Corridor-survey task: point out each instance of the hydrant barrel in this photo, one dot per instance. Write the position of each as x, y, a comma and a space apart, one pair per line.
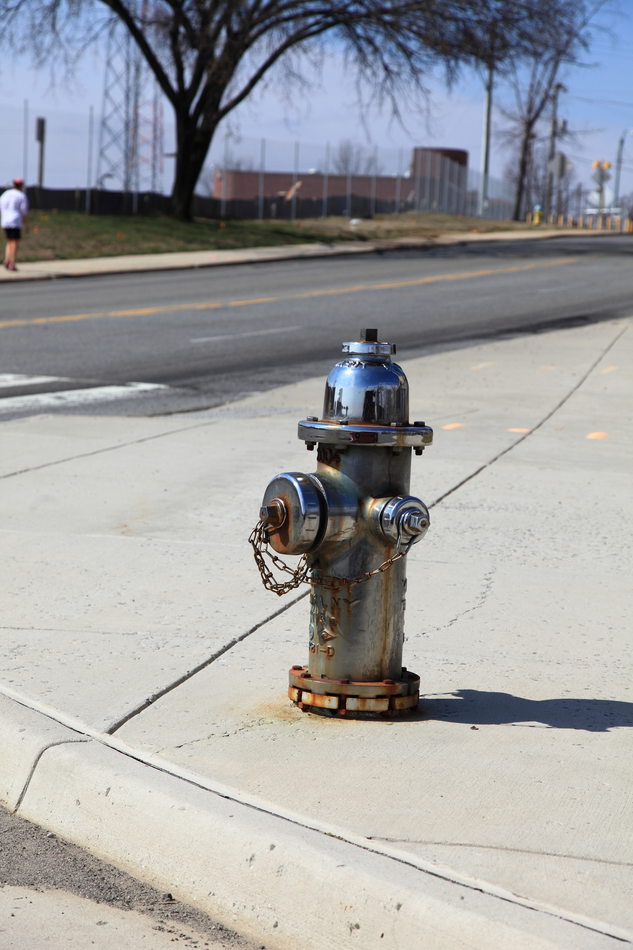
357, 630
354, 521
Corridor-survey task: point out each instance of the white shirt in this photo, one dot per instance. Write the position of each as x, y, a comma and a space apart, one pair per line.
14, 206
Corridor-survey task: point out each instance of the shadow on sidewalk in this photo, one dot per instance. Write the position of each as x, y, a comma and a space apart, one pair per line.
479, 707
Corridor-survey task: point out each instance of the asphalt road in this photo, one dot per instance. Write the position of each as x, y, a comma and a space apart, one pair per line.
178, 341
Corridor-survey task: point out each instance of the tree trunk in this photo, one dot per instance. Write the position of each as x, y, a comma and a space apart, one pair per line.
192, 146
524, 156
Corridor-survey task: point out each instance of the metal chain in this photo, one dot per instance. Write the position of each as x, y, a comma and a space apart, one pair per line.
258, 540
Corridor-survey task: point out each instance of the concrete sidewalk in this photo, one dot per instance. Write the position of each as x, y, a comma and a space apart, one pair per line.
143, 709
138, 263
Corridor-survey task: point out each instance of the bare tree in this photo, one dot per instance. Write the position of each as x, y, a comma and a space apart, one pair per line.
534, 80
350, 158
537, 174
209, 55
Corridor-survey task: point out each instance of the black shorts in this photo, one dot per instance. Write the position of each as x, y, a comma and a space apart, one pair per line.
13, 234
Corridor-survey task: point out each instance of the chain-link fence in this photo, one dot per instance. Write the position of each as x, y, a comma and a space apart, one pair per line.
264, 178
260, 178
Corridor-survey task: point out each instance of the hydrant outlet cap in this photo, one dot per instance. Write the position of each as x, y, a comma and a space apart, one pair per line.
299, 530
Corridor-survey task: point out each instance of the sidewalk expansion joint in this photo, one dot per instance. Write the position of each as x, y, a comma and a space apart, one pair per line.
539, 425
201, 666
109, 448
498, 847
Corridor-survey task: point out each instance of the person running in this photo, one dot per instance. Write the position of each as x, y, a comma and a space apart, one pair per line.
14, 207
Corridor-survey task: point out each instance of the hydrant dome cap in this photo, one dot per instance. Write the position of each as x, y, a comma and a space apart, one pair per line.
366, 389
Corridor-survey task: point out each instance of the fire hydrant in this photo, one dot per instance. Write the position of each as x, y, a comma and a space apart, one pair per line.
352, 521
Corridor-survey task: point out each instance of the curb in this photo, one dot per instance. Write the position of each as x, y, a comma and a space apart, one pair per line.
254, 870
195, 260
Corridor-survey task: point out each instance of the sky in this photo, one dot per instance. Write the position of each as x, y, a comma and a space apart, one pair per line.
597, 104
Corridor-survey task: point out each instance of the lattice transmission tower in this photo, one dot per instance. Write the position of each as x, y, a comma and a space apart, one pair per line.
131, 132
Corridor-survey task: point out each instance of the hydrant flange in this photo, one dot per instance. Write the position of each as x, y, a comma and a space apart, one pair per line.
402, 436
344, 696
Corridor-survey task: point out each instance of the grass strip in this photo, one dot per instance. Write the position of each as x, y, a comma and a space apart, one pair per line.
68, 235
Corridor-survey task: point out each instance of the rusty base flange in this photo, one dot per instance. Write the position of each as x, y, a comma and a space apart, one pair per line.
349, 698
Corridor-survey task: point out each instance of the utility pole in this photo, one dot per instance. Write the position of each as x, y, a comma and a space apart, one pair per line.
483, 191
601, 176
25, 173
547, 203
40, 137
89, 173
618, 168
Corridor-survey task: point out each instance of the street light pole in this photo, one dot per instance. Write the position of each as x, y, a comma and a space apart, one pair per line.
618, 168
485, 175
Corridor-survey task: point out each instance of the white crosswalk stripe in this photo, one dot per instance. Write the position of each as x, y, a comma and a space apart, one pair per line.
13, 380
73, 397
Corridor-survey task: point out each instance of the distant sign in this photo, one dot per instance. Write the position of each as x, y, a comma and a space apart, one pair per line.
606, 198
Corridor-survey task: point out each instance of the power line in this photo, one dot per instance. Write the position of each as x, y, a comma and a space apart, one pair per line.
612, 102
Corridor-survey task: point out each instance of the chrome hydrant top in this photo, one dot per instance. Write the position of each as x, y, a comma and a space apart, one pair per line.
366, 387
366, 401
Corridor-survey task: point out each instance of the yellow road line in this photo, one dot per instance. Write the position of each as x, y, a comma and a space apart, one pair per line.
487, 272
252, 300
40, 321
138, 312
354, 289
330, 291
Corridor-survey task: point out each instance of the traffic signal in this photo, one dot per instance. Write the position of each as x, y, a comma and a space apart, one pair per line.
601, 172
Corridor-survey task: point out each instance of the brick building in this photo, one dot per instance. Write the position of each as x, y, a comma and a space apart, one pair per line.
436, 180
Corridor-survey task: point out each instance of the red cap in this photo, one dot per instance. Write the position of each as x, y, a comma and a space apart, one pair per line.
18, 181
